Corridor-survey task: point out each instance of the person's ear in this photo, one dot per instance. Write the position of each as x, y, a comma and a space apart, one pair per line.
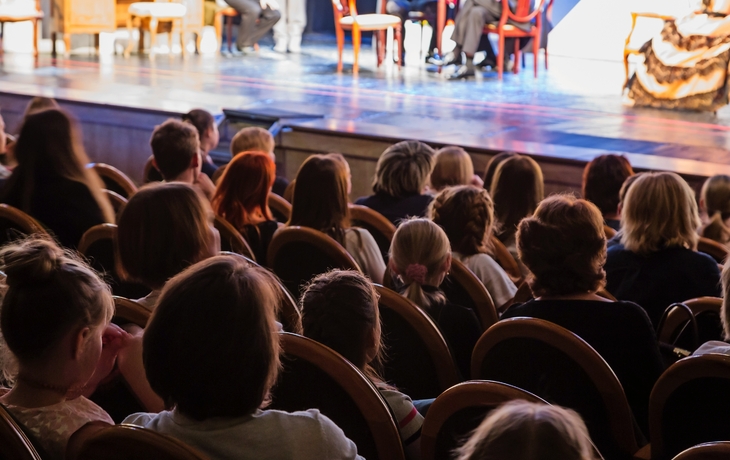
447, 263
195, 161
154, 164
79, 341
393, 268
702, 204
619, 209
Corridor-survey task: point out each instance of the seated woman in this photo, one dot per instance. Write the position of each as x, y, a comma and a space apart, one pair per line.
242, 198
656, 264
564, 247
492, 166
466, 214
554, 432
164, 228
401, 177
340, 310
603, 177
453, 166
207, 134
686, 65
320, 202
420, 258
214, 363
715, 207
51, 182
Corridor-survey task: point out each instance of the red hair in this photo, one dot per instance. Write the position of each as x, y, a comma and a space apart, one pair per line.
244, 187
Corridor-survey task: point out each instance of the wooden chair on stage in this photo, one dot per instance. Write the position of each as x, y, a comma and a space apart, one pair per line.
81, 17
14, 12
521, 14
347, 18
114, 179
184, 16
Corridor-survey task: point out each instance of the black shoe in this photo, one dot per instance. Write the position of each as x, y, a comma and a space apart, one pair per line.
486, 62
462, 72
449, 59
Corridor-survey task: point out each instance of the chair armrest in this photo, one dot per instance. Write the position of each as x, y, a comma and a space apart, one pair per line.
644, 453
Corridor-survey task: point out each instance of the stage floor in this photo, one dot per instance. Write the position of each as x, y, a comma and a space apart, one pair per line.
574, 106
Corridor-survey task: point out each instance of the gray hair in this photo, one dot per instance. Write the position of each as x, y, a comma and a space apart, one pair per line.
404, 169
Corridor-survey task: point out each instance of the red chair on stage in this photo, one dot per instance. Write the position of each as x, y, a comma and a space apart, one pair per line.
521, 14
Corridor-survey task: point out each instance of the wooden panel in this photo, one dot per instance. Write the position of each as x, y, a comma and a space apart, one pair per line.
89, 15
194, 17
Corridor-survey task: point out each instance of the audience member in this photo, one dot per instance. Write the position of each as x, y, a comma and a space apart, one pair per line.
715, 204
564, 246
494, 162
517, 189
420, 257
401, 177
320, 202
242, 196
340, 310
616, 239
520, 430
602, 180
466, 214
176, 154
259, 140
164, 228
208, 136
656, 264
35, 105
214, 363
51, 181
716, 346
39, 104
5, 153
453, 166
55, 322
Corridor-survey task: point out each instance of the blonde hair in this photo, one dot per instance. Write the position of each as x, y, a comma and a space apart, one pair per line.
716, 201
418, 251
252, 139
453, 166
403, 169
659, 211
519, 430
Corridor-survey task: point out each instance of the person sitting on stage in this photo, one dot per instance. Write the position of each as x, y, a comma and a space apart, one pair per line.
207, 134
320, 202
255, 139
453, 166
401, 177
715, 206
257, 18
402, 9
176, 152
603, 177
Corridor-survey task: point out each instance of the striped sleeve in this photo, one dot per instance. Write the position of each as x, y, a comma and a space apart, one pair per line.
408, 419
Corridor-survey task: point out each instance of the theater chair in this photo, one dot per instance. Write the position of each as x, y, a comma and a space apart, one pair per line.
15, 224
231, 239
114, 179
14, 442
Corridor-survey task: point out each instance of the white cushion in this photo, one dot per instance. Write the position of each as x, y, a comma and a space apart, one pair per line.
18, 9
158, 9
371, 20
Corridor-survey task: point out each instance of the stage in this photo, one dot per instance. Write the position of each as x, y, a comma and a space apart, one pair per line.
572, 112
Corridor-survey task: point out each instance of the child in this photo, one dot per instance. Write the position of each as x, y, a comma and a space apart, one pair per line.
55, 322
420, 257
340, 310
211, 352
254, 139
467, 214
453, 166
715, 204
520, 430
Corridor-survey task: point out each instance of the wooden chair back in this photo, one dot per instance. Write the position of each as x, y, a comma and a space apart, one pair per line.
419, 361
708, 451
462, 287
15, 224
689, 405
677, 324
280, 208
14, 442
97, 440
128, 311
98, 245
381, 228
151, 174
314, 376
289, 315
114, 179
289, 191
717, 251
231, 239
610, 232
505, 260
297, 254
118, 201
459, 410
560, 367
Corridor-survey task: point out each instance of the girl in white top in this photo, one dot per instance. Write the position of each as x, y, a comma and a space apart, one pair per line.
320, 202
466, 214
211, 352
340, 310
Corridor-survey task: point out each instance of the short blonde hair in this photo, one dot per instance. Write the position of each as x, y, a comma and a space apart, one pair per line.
520, 430
252, 139
659, 211
453, 166
404, 169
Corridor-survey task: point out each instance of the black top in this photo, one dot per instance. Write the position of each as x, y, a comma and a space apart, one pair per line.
613, 223
662, 278
65, 207
280, 185
460, 327
619, 331
397, 209
258, 238
208, 169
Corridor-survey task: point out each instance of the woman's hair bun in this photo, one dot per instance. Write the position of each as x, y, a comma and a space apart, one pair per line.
32, 260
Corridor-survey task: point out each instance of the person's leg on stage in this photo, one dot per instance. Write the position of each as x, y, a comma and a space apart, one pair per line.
268, 18
297, 21
400, 8
470, 26
281, 29
250, 10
